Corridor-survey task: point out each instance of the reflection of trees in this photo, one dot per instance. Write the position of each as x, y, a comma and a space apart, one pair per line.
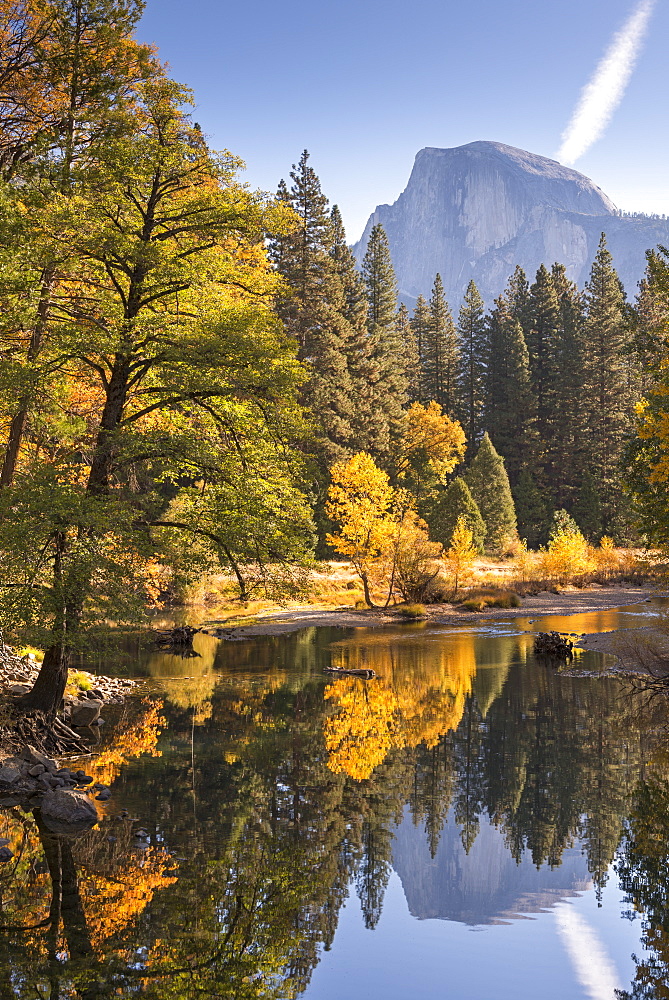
66, 920
418, 696
269, 836
644, 875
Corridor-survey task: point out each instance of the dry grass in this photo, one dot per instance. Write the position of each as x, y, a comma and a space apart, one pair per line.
493, 583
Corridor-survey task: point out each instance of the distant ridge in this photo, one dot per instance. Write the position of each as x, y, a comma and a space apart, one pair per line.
476, 211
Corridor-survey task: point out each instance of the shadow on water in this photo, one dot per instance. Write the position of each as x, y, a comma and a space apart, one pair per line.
256, 797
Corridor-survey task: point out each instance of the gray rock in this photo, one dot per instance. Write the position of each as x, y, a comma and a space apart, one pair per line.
475, 211
6, 854
19, 689
65, 810
9, 775
36, 770
86, 713
35, 757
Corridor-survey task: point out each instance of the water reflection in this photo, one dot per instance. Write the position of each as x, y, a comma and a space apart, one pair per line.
491, 784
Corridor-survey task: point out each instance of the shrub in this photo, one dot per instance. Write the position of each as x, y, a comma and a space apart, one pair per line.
568, 556
411, 611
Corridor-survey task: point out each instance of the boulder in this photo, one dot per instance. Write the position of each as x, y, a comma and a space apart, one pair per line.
85, 713
9, 775
67, 811
35, 757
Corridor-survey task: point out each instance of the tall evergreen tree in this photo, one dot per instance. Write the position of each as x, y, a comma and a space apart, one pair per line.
519, 298
607, 388
510, 402
387, 348
311, 310
447, 505
541, 344
489, 486
368, 424
441, 352
420, 325
473, 340
410, 353
565, 442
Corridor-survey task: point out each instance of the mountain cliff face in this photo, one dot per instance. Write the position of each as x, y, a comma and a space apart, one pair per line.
476, 211
486, 886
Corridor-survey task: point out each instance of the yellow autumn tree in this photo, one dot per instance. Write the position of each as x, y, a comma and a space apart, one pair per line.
413, 561
359, 501
461, 553
568, 556
430, 441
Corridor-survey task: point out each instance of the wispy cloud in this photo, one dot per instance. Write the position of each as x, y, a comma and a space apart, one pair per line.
592, 966
604, 92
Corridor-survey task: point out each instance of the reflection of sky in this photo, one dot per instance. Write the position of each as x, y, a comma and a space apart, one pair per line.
441, 960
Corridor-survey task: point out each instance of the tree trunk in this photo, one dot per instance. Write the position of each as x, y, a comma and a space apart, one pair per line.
365, 588
47, 692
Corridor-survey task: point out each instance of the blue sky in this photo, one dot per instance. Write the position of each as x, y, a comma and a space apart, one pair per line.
364, 85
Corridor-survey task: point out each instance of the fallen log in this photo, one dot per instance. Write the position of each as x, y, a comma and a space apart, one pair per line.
366, 675
552, 645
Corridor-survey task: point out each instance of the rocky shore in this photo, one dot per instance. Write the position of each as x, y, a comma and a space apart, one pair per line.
81, 707
62, 795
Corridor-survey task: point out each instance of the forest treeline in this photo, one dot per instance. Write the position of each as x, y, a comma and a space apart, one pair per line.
188, 368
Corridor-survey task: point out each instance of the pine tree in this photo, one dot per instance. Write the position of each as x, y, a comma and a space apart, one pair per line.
489, 486
541, 344
412, 366
420, 325
368, 424
531, 509
311, 311
650, 331
473, 340
441, 352
510, 402
519, 299
607, 388
387, 349
446, 506
565, 453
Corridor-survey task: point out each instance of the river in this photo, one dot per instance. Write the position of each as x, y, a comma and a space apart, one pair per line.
470, 824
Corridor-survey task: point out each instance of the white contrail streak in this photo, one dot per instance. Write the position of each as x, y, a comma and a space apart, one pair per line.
592, 966
602, 95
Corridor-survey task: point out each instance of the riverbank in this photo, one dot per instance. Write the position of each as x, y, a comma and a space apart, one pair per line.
638, 650
568, 601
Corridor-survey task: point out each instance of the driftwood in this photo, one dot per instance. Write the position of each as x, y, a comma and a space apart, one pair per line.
552, 645
178, 637
366, 675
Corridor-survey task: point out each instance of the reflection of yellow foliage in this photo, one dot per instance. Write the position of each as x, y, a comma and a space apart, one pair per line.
192, 692
360, 735
418, 696
111, 904
140, 737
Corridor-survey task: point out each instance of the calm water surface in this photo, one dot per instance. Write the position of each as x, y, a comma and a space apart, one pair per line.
472, 825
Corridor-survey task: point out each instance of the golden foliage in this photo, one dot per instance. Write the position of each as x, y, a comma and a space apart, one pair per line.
461, 553
139, 737
567, 557
432, 435
112, 903
359, 500
419, 696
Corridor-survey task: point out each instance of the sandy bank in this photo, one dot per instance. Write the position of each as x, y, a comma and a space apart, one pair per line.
637, 649
569, 602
